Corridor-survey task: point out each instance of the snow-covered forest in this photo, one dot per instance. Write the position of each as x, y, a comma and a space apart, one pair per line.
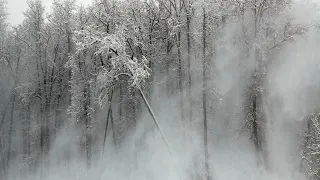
161, 90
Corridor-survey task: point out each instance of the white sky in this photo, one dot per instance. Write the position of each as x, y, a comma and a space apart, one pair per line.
17, 7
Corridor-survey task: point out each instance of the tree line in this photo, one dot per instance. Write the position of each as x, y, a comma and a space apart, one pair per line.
59, 69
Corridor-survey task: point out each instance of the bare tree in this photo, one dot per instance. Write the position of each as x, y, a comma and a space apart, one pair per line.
204, 95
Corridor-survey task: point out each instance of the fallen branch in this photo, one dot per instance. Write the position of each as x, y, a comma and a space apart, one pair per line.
151, 113
155, 120
108, 115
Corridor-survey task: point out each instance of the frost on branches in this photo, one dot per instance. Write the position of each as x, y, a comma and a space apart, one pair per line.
113, 47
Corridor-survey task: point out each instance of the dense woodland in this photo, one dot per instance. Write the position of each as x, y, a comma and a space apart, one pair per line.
100, 70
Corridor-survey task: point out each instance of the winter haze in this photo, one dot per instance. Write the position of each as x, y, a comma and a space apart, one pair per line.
159, 89
15, 8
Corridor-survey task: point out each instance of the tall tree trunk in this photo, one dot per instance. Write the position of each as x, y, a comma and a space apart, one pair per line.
189, 63
180, 75
256, 94
168, 48
107, 123
69, 35
58, 120
134, 108
11, 129
26, 130
42, 137
151, 63
255, 127
204, 97
113, 128
5, 112
120, 100
87, 123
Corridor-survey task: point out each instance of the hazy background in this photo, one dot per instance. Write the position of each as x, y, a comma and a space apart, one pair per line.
289, 93
17, 7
